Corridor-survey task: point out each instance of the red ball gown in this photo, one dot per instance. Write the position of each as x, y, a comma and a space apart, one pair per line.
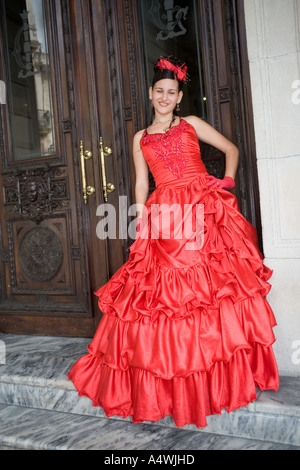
184, 332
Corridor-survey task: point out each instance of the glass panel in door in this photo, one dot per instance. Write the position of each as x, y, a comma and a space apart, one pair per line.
170, 27
28, 79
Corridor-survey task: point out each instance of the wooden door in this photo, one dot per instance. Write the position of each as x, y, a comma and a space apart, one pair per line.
92, 60
54, 64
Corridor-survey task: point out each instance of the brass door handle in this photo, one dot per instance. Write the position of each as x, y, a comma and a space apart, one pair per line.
107, 187
86, 190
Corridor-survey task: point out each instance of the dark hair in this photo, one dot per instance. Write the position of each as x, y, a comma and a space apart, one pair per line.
160, 74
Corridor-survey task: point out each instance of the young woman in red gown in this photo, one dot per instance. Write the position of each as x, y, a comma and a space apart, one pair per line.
185, 332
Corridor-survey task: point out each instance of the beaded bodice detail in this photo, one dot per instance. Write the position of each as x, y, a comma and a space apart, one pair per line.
173, 155
169, 147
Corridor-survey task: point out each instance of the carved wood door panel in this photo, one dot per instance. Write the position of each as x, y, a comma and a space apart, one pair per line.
51, 257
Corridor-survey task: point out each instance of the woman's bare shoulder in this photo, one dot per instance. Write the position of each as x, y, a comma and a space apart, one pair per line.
137, 141
137, 137
194, 120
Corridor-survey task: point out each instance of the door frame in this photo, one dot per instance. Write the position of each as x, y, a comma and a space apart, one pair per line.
233, 90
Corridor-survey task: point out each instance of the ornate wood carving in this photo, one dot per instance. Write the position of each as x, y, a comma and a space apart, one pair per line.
41, 254
43, 259
38, 260
247, 179
228, 83
210, 61
132, 48
236, 98
114, 16
36, 193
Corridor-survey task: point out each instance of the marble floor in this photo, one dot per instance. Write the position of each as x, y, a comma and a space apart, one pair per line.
40, 409
48, 430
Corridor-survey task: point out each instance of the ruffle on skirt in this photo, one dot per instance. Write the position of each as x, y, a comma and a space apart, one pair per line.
185, 333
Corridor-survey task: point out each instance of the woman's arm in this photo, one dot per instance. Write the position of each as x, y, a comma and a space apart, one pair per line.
206, 133
141, 174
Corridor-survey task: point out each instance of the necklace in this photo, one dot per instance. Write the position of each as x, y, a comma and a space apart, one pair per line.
162, 122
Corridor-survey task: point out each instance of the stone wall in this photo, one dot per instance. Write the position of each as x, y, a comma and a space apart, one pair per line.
273, 37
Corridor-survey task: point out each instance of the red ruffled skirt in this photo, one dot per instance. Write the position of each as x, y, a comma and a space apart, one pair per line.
185, 333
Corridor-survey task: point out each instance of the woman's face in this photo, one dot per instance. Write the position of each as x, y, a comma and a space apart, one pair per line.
165, 95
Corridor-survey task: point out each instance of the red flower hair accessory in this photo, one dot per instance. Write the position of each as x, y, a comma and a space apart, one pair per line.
180, 71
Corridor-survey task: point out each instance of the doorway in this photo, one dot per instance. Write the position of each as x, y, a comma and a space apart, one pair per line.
77, 74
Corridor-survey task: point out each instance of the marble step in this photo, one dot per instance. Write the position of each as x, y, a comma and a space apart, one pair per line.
35, 376
24, 428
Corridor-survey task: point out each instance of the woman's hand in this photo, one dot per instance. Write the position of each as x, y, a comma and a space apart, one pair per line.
225, 183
